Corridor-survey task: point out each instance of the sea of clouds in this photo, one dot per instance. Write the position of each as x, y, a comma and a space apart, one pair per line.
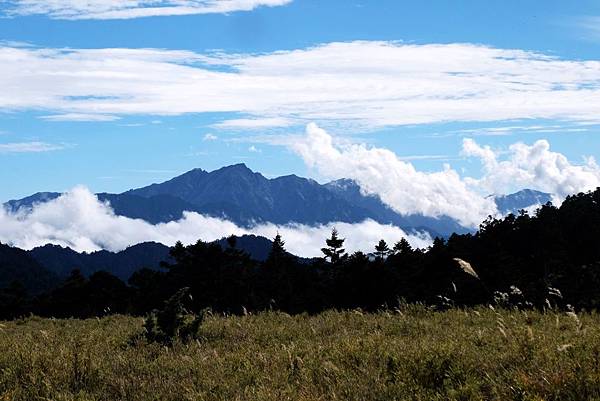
80, 221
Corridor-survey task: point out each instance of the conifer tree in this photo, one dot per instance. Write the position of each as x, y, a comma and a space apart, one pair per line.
402, 247
277, 249
382, 249
334, 250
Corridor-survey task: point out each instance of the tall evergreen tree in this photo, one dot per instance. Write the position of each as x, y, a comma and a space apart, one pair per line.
402, 247
277, 249
382, 249
334, 250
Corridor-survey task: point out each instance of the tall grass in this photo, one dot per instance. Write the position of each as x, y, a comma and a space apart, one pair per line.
412, 354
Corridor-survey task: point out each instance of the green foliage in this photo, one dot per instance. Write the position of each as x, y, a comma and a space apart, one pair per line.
278, 251
173, 322
334, 250
382, 249
402, 247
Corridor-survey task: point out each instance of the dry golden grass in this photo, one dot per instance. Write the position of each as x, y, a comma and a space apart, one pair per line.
414, 354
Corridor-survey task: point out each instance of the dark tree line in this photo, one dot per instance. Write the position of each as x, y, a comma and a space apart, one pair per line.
553, 253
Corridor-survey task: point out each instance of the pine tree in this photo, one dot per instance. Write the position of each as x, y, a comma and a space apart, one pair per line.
277, 249
402, 247
334, 250
382, 249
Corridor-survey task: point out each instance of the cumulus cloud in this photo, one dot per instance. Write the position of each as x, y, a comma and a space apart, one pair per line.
209, 137
531, 166
29, 147
368, 84
80, 221
397, 182
126, 9
446, 193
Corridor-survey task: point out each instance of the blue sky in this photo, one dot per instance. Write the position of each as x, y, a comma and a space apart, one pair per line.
131, 122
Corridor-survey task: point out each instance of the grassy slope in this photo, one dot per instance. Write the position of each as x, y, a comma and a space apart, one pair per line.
416, 354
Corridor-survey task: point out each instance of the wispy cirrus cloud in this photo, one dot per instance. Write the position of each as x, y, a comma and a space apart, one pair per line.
254, 123
524, 129
127, 9
80, 117
29, 147
365, 85
590, 26
209, 137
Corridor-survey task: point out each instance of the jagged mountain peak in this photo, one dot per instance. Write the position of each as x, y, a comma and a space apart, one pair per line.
519, 200
246, 197
239, 167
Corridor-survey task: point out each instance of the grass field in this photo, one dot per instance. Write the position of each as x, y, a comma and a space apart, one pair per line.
414, 354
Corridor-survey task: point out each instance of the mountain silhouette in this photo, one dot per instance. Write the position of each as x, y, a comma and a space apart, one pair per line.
521, 200
17, 265
44, 266
247, 198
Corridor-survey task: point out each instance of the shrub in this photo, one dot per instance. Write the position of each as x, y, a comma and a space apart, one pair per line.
174, 321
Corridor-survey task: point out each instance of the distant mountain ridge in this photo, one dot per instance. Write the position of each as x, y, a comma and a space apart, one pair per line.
521, 200
62, 261
17, 266
350, 191
247, 198
42, 267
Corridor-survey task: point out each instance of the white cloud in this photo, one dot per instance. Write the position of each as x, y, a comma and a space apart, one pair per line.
446, 193
254, 123
78, 220
210, 137
397, 182
532, 166
254, 149
80, 117
29, 147
126, 9
362, 84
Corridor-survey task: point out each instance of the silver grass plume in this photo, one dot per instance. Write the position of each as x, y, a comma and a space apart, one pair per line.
466, 267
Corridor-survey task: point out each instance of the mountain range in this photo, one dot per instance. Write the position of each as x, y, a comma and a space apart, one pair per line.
44, 267
247, 198
235, 193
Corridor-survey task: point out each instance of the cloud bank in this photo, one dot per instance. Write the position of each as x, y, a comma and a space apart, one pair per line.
365, 84
532, 166
446, 193
127, 9
80, 221
397, 182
